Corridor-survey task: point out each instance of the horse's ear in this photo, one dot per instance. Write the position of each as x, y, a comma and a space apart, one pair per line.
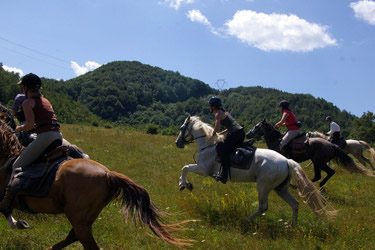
188, 118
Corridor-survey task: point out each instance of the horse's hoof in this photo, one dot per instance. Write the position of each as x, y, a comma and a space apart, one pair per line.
181, 187
189, 186
21, 224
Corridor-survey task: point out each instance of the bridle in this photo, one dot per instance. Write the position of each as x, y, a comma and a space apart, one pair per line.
183, 131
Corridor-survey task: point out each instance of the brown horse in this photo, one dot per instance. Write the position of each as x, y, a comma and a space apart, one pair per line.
81, 189
320, 152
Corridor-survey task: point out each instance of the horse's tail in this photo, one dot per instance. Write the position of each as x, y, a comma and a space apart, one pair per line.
366, 146
348, 163
309, 193
136, 200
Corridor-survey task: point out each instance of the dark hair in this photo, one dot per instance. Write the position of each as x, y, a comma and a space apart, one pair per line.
284, 104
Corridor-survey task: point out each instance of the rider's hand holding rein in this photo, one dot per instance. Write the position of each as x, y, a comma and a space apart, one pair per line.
282, 123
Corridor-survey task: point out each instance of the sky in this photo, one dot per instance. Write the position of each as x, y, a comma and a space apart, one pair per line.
318, 47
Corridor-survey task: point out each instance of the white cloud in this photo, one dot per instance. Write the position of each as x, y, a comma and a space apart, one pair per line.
14, 70
364, 10
176, 4
80, 70
197, 16
278, 32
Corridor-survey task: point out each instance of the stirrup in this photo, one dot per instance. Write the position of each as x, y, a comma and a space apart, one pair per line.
220, 178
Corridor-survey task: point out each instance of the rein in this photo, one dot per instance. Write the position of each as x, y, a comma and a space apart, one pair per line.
200, 150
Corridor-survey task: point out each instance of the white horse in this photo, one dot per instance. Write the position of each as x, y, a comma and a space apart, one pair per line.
354, 147
269, 169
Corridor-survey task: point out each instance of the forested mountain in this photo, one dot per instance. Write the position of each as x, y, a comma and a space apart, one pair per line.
135, 94
118, 89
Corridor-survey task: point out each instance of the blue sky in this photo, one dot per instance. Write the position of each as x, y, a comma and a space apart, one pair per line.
322, 48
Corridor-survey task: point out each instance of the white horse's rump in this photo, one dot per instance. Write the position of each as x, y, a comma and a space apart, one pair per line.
269, 169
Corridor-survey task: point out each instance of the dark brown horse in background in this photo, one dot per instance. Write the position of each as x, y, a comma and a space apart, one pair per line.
81, 189
320, 152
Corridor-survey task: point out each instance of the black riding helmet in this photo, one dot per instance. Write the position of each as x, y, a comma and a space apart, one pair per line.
284, 104
215, 102
328, 118
31, 81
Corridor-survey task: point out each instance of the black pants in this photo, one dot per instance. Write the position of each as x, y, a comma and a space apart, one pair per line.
335, 137
231, 142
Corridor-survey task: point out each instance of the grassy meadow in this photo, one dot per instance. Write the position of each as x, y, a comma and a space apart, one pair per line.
154, 162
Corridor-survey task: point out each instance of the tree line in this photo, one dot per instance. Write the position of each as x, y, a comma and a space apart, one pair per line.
133, 94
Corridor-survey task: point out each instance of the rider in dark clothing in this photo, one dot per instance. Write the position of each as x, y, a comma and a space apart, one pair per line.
234, 138
17, 106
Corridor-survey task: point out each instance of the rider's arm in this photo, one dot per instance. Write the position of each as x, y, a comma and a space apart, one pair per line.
282, 121
217, 123
27, 107
223, 132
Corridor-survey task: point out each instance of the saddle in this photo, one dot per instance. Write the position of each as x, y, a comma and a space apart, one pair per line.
242, 156
36, 180
297, 147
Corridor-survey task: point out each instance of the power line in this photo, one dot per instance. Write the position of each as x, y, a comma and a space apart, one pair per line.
33, 50
37, 59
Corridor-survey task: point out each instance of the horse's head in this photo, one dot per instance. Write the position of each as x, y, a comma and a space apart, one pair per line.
262, 128
185, 136
257, 131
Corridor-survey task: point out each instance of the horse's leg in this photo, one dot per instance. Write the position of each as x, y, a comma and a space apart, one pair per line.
365, 160
82, 215
330, 172
283, 192
317, 174
263, 201
71, 238
195, 168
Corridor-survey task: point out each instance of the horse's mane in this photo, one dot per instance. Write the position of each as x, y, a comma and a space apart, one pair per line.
9, 144
318, 134
273, 133
206, 128
7, 116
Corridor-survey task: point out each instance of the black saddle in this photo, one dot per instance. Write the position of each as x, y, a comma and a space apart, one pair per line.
242, 156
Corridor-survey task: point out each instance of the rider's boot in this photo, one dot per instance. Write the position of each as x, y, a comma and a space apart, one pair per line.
222, 176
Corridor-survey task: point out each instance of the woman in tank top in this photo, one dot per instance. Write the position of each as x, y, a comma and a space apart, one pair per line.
234, 138
39, 115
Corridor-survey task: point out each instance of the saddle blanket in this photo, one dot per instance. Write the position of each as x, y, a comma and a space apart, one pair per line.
35, 180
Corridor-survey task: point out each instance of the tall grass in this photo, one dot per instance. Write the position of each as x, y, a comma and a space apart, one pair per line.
154, 162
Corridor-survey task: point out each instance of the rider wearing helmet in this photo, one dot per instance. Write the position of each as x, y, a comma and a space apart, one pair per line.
39, 115
334, 131
234, 138
289, 120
